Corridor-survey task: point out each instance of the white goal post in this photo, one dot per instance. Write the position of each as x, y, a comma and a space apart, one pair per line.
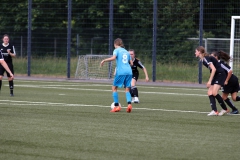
235, 44
88, 67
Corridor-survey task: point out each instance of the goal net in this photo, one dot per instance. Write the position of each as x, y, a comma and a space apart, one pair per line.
235, 45
88, 67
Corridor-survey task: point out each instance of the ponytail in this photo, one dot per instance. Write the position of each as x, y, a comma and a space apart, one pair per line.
223, 55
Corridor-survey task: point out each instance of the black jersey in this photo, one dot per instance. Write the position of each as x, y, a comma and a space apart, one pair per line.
136, 63
227, 69
209, 59
1, 55
6, 56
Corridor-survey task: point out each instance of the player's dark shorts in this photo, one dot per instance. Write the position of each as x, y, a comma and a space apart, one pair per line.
219, 78
2, 69
135, 76
231, 87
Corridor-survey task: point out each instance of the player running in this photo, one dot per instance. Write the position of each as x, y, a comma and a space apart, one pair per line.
135, 72
123, 75
216, 80
8, 52
231, 84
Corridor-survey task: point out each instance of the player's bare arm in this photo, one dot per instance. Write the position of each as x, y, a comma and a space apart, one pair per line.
131, 62
108, 59
146, 74
10, 53
212, 75
228, 77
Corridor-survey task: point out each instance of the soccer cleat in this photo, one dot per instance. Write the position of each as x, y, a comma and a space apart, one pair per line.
129, 108
213, 113
222, 112
116, 109
136, 100
133, 99
234, 112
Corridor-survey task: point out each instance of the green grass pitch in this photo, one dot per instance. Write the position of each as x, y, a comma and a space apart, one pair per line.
61, 120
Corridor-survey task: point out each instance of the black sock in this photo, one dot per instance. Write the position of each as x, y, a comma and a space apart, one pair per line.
221, 102
11, 86
237, 98
0, 84
230, 104
131, 91
134, 91
213, 103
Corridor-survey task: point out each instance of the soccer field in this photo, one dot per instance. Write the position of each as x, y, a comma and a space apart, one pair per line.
60, 120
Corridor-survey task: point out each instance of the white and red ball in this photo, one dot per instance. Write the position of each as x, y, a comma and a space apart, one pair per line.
112, 105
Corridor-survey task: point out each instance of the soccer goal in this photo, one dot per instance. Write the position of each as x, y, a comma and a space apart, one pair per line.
235, 45
88, 67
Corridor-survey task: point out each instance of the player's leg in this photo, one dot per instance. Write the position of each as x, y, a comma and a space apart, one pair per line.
115, 96
134, 90
228, 101
1, 81
118, 82
127, 84
233, 89
212, 100
10, 80
133, 83
216, 88
117, 108
230, 104
2, 70
235, 97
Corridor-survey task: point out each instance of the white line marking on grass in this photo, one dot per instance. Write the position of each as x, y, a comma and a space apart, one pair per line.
101, 90
102, 85
187, 89
68, 83
29, 103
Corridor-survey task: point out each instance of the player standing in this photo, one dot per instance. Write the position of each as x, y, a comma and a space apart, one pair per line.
135, 72
123, 75
231, 84
8, 52
216, 80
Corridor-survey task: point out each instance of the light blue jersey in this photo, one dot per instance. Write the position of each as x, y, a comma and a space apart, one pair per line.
122, 61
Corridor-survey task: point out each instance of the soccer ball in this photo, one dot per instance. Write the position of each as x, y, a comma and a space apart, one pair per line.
112, 105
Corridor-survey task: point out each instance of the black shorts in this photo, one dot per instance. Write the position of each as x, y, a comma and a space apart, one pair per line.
231, 87
219, 78
135, 76
2, 69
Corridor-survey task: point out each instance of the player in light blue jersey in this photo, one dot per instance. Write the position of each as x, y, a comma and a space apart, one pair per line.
123, 75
